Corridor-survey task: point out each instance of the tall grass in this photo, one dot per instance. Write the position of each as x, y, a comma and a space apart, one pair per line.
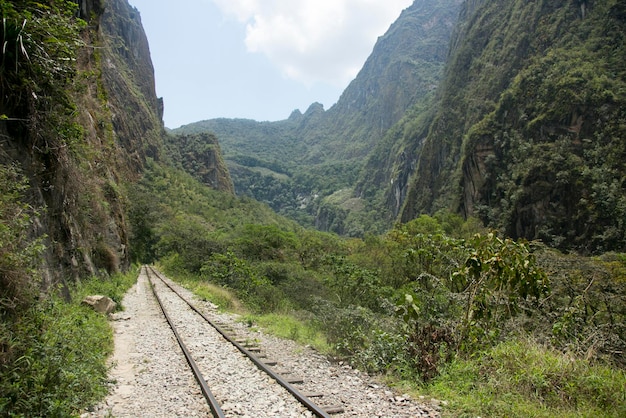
289, 327
520, 378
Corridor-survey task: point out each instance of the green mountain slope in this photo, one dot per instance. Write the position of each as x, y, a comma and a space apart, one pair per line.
529, 127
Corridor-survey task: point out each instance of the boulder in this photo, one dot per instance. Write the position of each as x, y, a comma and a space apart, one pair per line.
100, 303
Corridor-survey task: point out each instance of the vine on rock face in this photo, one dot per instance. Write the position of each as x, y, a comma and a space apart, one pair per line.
19, 252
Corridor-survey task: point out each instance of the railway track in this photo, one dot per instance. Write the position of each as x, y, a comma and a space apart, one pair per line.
222, 363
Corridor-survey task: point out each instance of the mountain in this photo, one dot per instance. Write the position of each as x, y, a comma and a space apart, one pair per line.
403, 68
529, 126
306, 166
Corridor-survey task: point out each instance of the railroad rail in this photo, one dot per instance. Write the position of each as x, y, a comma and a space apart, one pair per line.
316, 410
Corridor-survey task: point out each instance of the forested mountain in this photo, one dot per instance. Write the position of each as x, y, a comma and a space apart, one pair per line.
307, 165
529, 130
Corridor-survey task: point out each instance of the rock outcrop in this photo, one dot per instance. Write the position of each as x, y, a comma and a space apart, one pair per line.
100, 303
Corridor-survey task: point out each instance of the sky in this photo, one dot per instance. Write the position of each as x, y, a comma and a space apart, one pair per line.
258, 59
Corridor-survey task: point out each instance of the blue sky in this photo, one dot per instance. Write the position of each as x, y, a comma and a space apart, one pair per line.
258, 59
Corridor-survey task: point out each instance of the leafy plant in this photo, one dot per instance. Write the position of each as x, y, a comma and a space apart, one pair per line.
353, 285
500, 278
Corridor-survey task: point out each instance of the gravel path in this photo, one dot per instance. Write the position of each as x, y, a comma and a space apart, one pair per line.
152, 378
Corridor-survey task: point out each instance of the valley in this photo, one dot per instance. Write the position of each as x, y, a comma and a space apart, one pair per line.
454, 225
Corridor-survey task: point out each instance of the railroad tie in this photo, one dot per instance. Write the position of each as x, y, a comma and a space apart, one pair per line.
253, 349
331, 410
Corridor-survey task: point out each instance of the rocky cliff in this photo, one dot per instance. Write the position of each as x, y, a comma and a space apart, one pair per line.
79, 118
200, 156
405, 65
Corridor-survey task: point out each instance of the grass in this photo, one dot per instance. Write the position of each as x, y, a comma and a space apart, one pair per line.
287, 326
225, 299
282, 325
523, 379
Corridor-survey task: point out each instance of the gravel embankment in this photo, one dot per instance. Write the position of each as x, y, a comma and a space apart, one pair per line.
152, 378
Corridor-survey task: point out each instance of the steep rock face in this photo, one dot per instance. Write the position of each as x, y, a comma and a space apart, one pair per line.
404, 67
385, 178
533, 95
128, 78
82, 121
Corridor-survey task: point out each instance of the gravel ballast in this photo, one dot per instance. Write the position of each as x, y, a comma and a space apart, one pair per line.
152, 379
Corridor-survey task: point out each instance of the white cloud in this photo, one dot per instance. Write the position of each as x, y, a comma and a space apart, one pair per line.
314, 40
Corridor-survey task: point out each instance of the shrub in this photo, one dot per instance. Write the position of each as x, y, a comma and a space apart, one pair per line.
500, 278
239, 275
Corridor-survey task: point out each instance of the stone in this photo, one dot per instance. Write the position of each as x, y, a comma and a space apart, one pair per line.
100, 303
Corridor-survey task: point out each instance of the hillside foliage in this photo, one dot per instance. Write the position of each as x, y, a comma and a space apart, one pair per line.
428, 297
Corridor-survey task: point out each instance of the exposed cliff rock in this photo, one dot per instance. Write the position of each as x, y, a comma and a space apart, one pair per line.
128, 78
404, 67
80, 118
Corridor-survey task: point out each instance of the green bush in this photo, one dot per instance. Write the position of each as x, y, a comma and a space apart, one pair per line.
244, 279
347, 328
